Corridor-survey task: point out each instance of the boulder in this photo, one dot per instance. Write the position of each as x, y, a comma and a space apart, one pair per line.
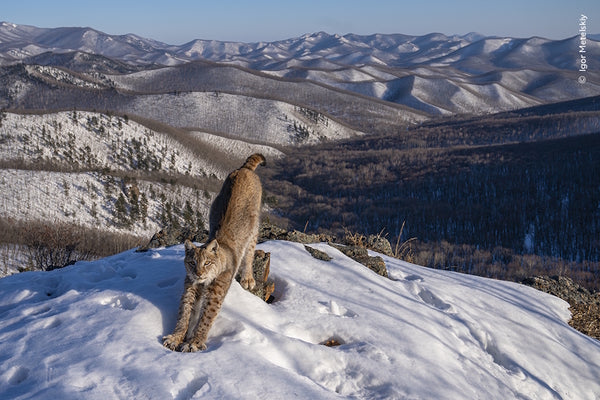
318, 254
361, 255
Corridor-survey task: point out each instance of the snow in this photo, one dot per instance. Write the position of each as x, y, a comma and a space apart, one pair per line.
93, 330
247, 118
109, 140
234, 147
82, 199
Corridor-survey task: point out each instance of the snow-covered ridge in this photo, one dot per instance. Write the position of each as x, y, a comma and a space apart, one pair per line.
401, 69
94, 330
96, 141
245, 117
392, 50
89, 199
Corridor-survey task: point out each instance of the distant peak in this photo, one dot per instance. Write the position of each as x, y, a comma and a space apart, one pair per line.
473, 36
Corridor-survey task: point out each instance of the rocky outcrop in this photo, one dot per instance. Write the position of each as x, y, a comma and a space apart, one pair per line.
361, 255
358, 253
585, 306
171, 236
268, 231
261, 267
318, 254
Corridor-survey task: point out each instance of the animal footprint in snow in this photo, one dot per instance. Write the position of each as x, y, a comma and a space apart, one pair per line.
37, 310
430, 298
167, 283
122, 301
332, 307
52, 322
128, 273
16, 375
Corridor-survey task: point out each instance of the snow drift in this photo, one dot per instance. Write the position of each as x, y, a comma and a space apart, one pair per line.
93, 330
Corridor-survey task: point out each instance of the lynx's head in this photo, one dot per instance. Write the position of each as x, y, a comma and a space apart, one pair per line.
203, 264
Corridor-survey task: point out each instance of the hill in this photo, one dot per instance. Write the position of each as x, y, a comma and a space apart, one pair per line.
370, 83
94, 329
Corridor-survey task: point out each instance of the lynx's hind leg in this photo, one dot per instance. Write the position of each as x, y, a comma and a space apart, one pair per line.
247, 275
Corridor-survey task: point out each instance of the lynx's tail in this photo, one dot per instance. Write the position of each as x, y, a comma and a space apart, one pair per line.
254, 161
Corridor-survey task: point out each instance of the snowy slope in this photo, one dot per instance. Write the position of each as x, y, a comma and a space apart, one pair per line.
93, 330
372, 66
245, 117
94, 140
88, 199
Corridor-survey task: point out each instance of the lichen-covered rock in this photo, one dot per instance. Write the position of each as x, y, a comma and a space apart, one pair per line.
361, 255
268, 231
379, 244
585, 306
170, 236
564, 288
318, 254
261, 266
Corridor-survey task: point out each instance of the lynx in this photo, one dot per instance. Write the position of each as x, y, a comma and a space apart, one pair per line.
210, 269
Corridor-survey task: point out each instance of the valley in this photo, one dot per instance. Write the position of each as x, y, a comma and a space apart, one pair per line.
483, 148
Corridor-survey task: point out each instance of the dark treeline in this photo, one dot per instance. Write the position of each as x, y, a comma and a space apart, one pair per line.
51, 245
495, 203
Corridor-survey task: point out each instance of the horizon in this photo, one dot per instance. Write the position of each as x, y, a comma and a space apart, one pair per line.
590, 35
268, 21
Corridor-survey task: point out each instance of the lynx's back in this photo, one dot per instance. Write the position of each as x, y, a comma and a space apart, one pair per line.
235, 213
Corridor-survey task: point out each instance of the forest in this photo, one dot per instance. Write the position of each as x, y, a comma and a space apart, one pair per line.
505, 196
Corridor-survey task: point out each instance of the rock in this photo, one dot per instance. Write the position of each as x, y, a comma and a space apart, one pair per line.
170, 236
301, 237
261, 266
564, 288
318, 254
585, 306
380, 245
268, 231
361, 255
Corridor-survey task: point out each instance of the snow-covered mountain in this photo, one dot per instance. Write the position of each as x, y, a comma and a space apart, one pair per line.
432, 74
314, 51
94, 330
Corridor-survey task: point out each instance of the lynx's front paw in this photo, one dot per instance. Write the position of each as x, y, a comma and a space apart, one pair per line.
171, 342
192, 347
248, 283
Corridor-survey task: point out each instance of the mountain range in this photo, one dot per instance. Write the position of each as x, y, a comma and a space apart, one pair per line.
416, 77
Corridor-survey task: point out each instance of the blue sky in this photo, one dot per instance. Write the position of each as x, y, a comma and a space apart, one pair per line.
180, 21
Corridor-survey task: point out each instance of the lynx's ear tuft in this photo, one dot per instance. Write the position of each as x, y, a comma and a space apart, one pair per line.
189, 245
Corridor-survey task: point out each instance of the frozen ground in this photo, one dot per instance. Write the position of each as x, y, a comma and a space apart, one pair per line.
93, 330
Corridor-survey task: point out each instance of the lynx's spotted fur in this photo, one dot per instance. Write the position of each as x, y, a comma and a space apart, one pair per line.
210, 269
